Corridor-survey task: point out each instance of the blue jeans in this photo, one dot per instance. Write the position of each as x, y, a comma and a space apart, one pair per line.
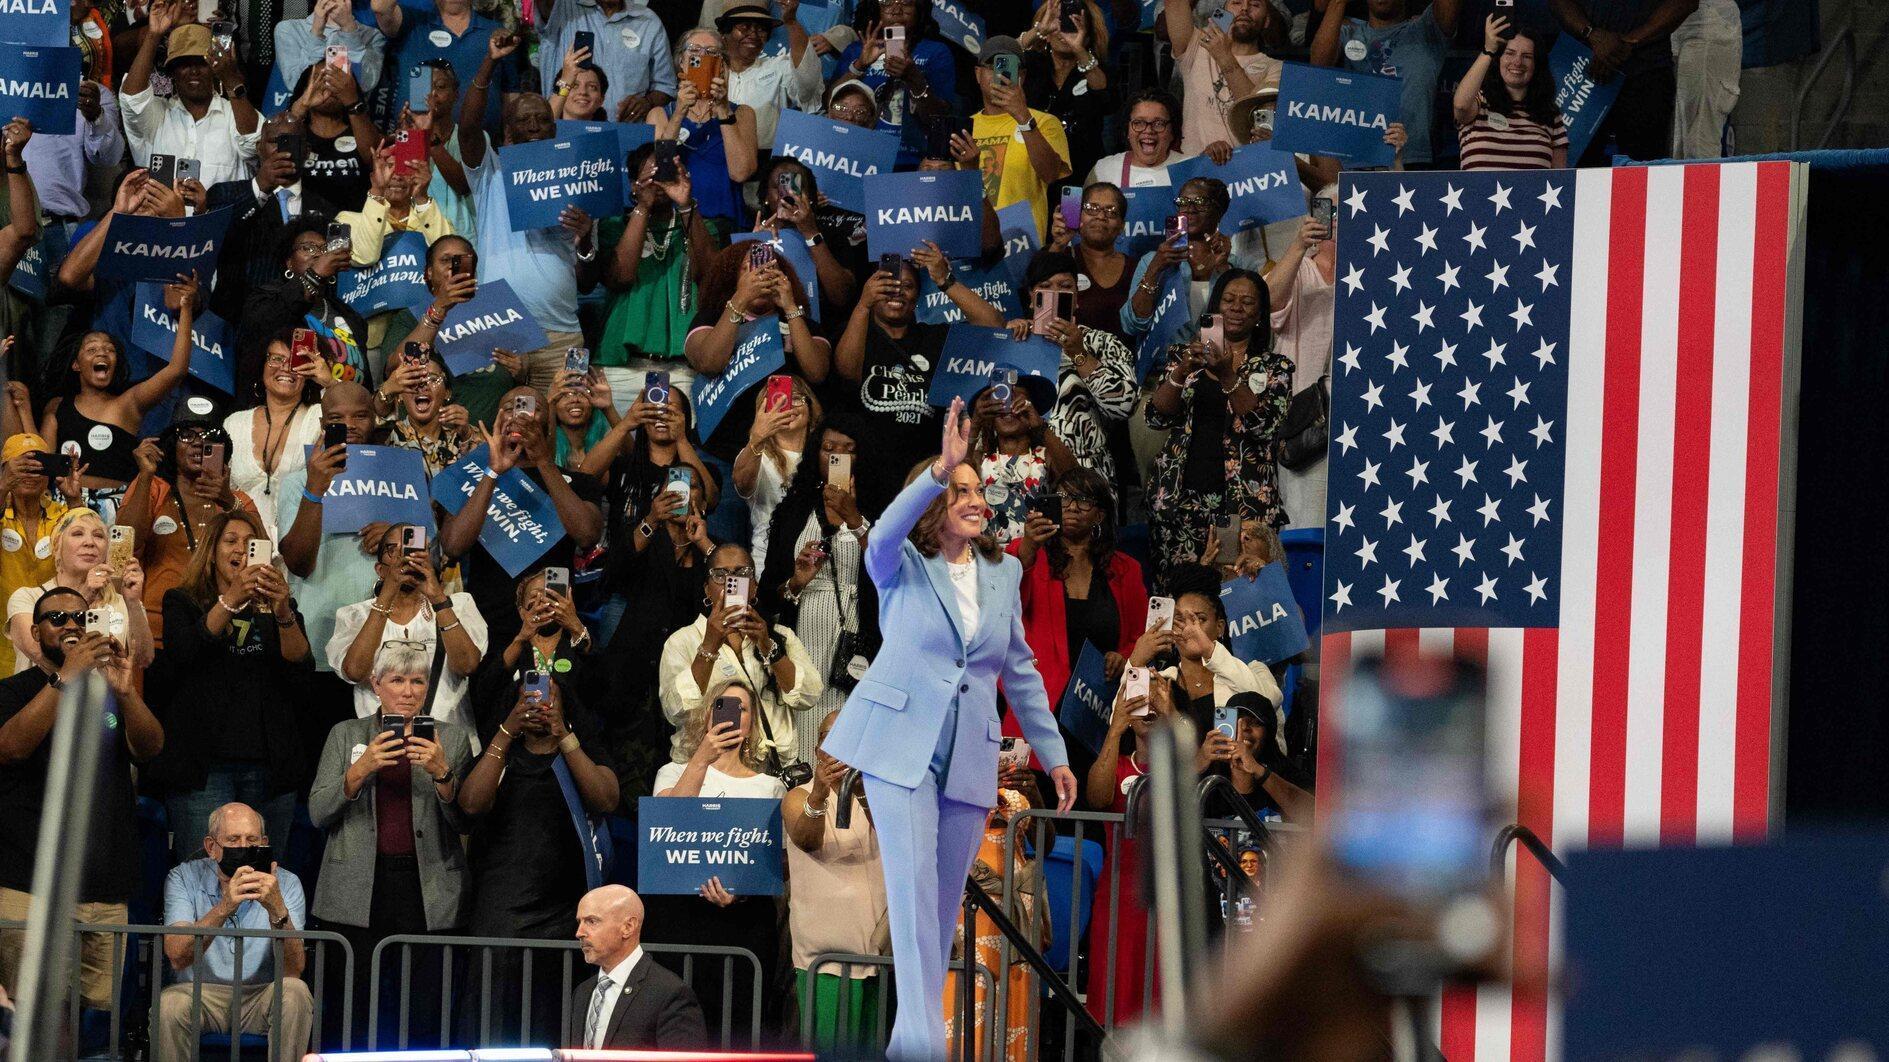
241, 783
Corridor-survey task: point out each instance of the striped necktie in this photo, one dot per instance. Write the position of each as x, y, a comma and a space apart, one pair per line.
593, 1023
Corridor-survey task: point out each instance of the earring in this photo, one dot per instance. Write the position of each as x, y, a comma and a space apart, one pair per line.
288, 274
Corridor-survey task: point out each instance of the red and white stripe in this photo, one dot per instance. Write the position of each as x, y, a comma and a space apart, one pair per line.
1646, 717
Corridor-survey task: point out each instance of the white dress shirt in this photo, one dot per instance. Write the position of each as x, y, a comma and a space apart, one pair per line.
617, 975
294, 193
157, 125
773, 83
57, 164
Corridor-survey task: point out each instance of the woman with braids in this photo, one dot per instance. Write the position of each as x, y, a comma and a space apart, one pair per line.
1221, 404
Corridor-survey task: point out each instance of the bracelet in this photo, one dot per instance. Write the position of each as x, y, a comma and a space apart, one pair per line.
444, 780
814, 813
949, 283
385, 611
737, 317
1083, 68
306, 496
435, 316
568, 743
1265, 777
502, 730
226, 605
440, 606
482, 88
705, 653
449, 627
794, 314
290, 622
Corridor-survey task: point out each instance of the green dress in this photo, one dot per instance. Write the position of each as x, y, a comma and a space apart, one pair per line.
650, 318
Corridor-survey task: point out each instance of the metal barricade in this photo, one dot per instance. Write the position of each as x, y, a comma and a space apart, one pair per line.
149, 938
568, 979
881, 1032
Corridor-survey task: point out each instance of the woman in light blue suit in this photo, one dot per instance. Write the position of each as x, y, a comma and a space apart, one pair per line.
922, 724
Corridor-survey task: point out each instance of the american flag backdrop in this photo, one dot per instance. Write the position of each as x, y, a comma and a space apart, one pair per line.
1562, 409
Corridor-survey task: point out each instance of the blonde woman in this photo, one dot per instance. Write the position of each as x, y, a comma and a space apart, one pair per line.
80, 548
765, 466
724, 761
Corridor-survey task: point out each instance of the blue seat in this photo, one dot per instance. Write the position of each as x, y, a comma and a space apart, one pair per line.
301, 853
216, 1045
1056, 874
154, 859
623, 837
1305, 570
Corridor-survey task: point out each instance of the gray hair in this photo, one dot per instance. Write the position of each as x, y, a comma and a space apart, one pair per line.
681, 48
223, 813
401, 660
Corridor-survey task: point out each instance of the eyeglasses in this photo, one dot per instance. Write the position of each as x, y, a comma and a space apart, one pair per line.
1190, 202
401, 643
723, 573
1150, 125
311, 247
1099, 210
858, 113
60, 617
705, 49
1079, 503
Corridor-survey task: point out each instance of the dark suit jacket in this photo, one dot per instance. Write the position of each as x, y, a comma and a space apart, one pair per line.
656, 1009
250, 255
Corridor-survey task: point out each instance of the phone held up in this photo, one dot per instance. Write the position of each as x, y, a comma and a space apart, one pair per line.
726, 711
780, 393
1160, 613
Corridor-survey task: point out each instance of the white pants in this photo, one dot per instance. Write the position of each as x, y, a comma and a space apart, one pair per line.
1708, 53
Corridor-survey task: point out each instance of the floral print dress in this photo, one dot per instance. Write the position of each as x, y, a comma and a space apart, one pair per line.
1009, 483
1183, 517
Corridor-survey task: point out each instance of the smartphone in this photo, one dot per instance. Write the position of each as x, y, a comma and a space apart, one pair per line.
97, 621
1414, 815
1050, 504
292, 145
334, 435
558, 581
163, 169
1012, 752
1176, 230
1068, 9
537, 684
413, 539
1071, 206
760, 256
335, 55
1135, 684
701, 71
656, 388
459, 265
422, 727
583, 39
1004, 68
340, 236
791, 184
725, 710
213, 458
260, 858
1213, 331
1160, 613
70, 450
680, 480
303, 348
938, 130
409, 149
419, 89
891, 265
1323, 210
839, 471
1228, 534
737, 590
261, 550
895, 42
1042, 311
1227, 721
780, 393
413, 353
1003, 384
668, 156
577, 360
223, 34
392, 724
118, 552
525, 406
188, 170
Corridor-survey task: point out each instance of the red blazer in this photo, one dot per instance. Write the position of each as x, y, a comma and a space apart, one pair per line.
1045, 622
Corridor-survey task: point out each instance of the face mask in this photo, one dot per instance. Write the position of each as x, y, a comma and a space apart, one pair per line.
258, 857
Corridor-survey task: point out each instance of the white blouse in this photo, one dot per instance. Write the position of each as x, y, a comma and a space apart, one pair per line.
246, 471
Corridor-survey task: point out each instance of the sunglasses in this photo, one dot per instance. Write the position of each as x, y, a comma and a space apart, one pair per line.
723, 573
60, 617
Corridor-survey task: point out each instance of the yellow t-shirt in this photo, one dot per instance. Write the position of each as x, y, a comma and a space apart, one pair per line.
1008, 176
24, 563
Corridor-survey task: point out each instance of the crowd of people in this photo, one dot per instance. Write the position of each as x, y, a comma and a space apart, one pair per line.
167, 530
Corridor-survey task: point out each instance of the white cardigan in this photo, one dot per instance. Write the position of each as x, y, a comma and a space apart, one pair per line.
1232, 675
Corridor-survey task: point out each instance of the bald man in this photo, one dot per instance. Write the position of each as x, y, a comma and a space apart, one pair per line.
632, 1002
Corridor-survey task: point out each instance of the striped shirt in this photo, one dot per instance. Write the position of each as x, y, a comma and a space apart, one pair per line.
1510, 143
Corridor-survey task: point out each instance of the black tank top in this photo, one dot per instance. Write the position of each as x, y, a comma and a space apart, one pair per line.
107, 448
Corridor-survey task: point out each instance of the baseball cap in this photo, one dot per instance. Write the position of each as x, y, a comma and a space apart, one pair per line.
996, 46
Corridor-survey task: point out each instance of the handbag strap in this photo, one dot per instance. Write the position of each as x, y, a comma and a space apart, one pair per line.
438, 666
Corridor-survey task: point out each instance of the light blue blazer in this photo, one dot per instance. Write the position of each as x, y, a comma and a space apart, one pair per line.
892, 721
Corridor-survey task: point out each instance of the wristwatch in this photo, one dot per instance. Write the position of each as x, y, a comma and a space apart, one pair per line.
1024, 127
358, 107
815, 240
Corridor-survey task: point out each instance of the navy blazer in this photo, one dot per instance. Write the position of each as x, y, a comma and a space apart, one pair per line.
892, 721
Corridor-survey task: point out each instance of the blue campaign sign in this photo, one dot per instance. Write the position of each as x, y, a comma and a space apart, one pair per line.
840, 155
493, 319
276, 93
1088, 700
521, 523
683, 841
1017, 223
793, 247
1263, 619
1339, 113
903, 210
146, 248
41, 23
970, 353
41, 85
630, 136
1145, 223
543, 177
959, 24
1262, 184
1171, 312
993, 283
1583, 103
380, 483
41, 261
212, 340
758, 354
397, 281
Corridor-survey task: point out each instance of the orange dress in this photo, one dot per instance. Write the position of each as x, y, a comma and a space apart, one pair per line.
1020, 998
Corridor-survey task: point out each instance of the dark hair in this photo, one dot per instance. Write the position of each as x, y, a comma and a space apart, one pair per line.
774, 165
1167, 101
925, 25
724, 270
1046, 263
1190, 578
1262, 321
928, 533
167, 447
436, 248
199, 578
39, 607
1537, 101
311, 391
293, 229
984, 429
1102, 547
1110, 187
62, 374
1218, 199
443, 67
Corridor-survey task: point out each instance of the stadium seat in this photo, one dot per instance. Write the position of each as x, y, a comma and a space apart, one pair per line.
1056, 871
1305, 570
